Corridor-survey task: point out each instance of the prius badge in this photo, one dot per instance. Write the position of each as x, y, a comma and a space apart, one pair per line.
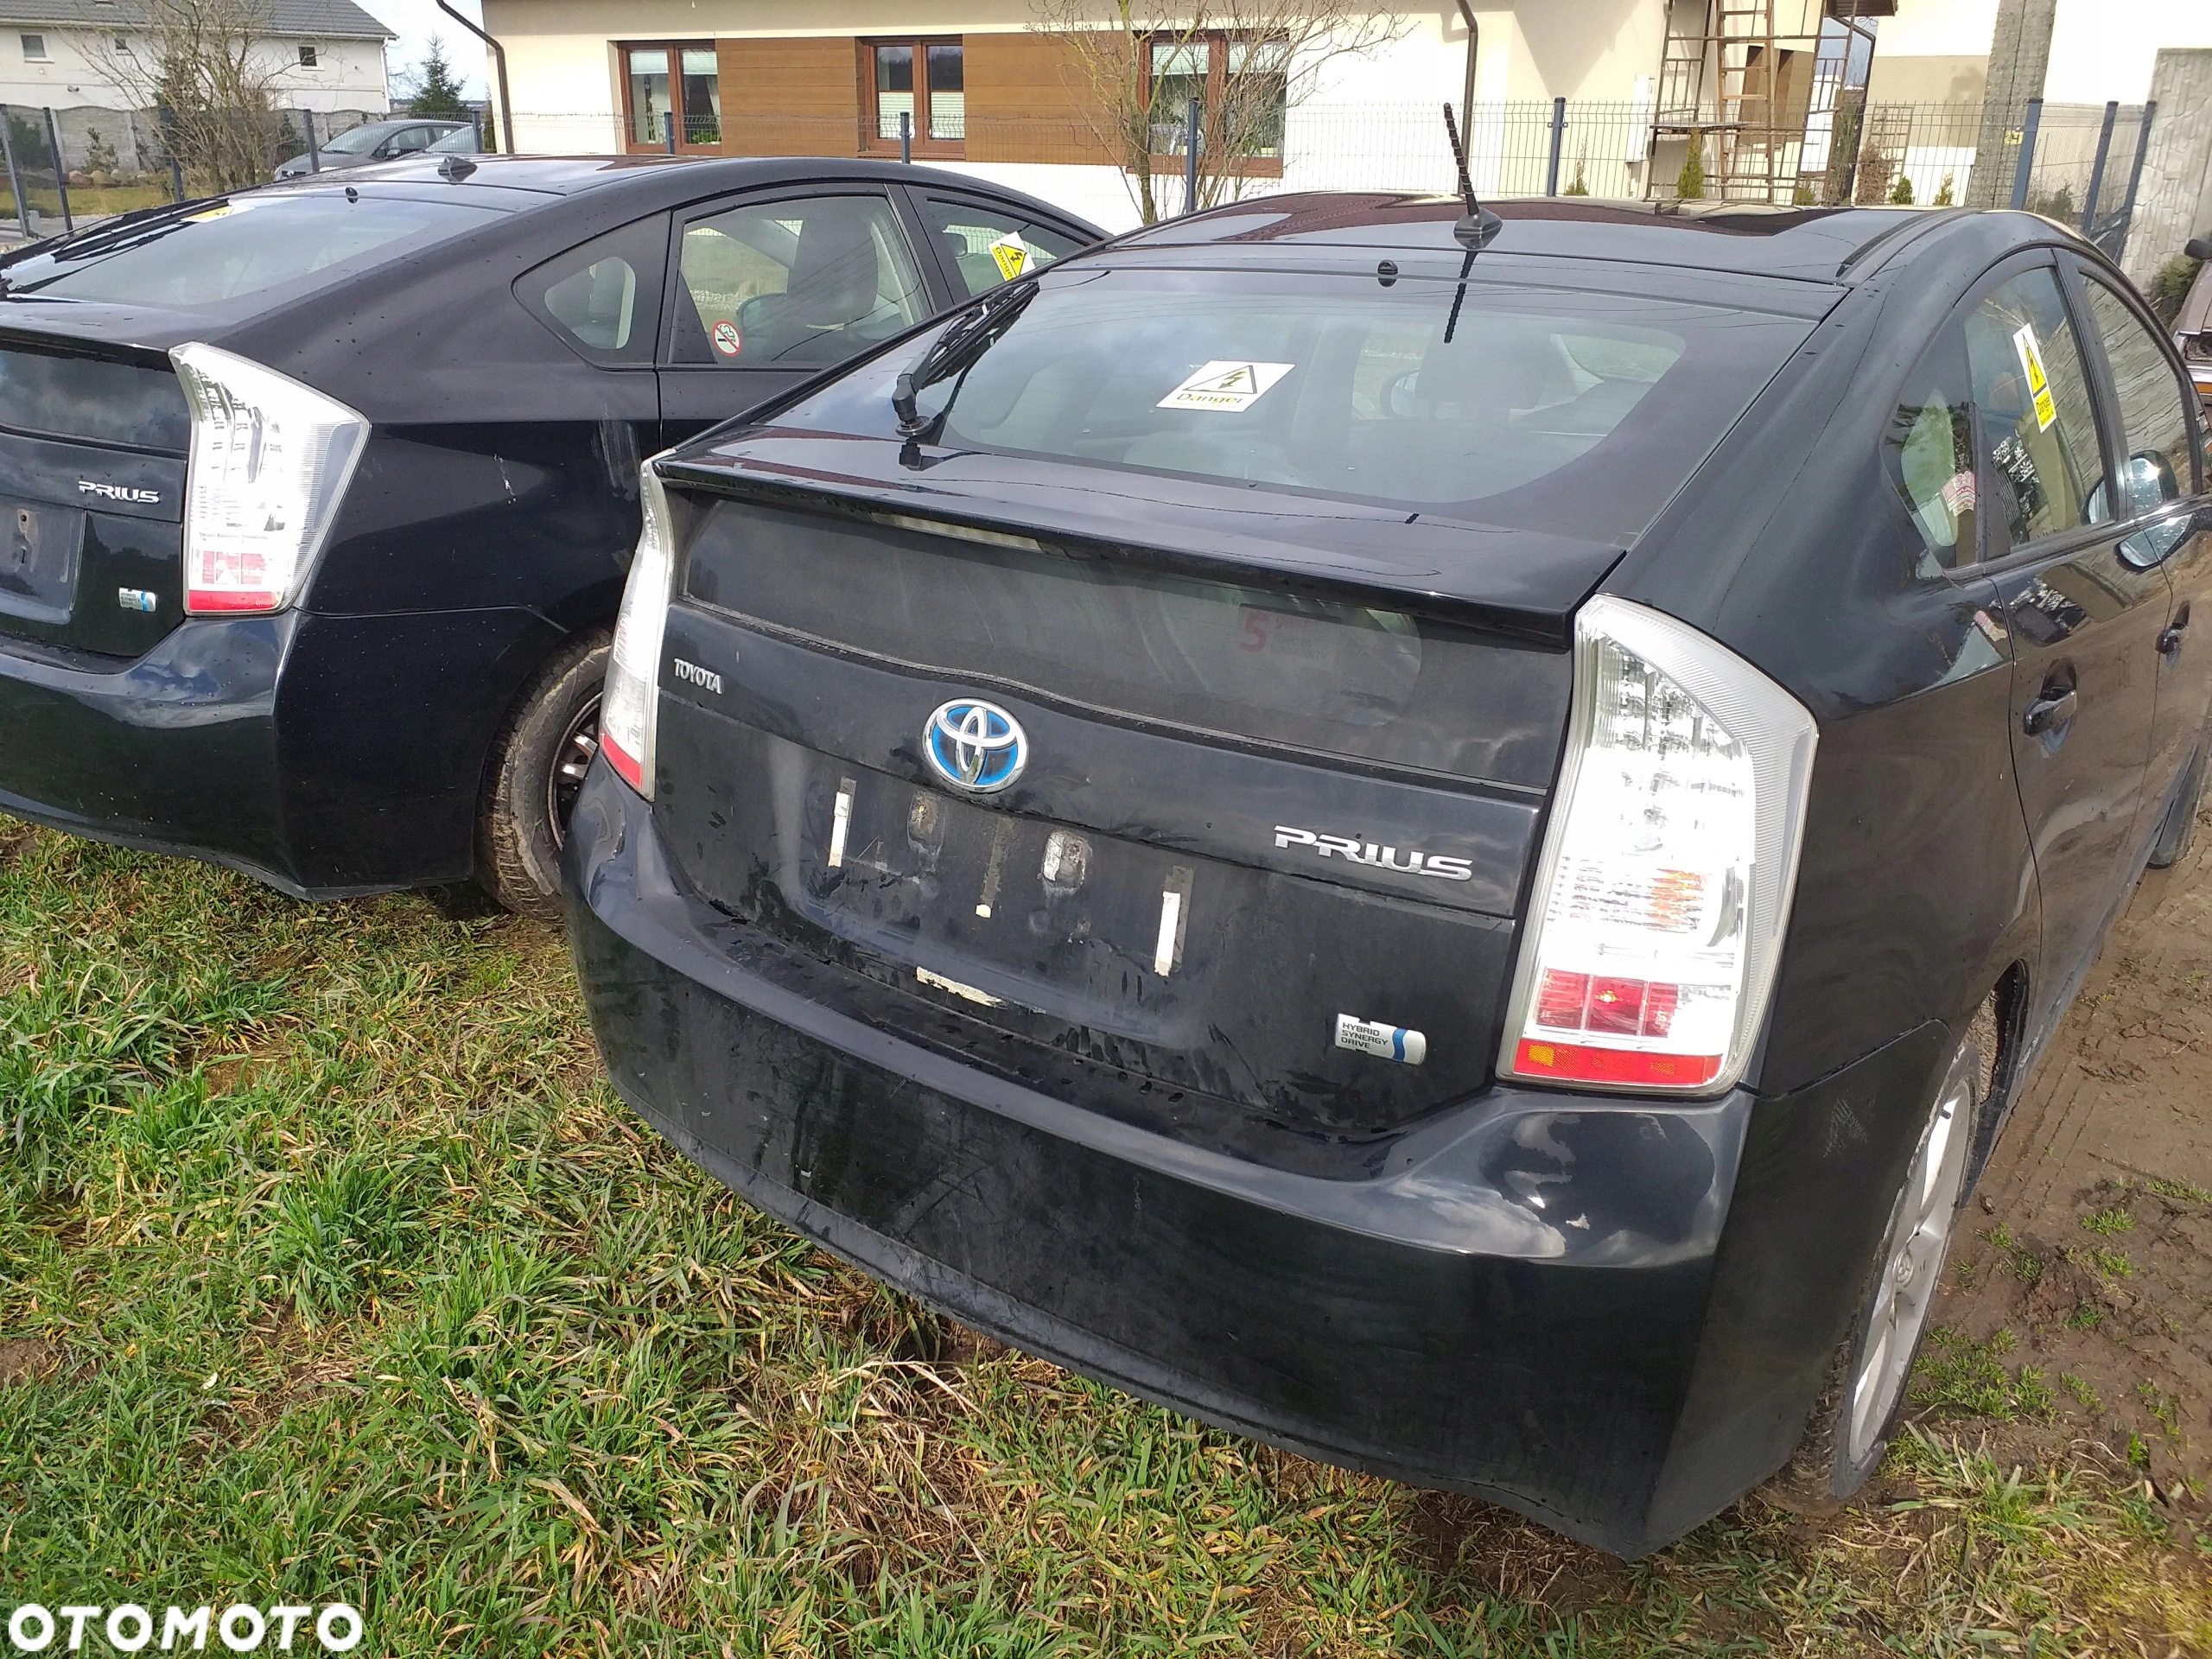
975, 745
118, 493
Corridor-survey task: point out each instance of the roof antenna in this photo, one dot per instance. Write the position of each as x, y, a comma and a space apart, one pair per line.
1476, 231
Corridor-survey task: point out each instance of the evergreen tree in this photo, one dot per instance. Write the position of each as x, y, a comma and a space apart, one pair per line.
437, 89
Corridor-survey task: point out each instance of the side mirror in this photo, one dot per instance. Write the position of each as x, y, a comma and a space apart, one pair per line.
2198, 247
2150, 480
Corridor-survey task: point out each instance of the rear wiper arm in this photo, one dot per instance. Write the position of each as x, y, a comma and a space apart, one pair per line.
955, 349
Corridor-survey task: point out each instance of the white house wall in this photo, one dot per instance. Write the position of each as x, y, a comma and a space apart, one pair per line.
348, 75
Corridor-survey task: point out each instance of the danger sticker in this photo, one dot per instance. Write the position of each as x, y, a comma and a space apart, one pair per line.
1011, 254
1230, 387
2024, 340
725, 338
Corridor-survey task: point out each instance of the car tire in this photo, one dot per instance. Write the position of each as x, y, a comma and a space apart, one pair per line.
2179, 829
1865, 1386
537, 768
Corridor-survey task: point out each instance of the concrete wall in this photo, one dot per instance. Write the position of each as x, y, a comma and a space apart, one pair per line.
348, 75
2174, 201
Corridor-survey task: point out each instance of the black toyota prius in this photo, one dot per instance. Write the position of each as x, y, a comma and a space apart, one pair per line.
315, 499
1438, 836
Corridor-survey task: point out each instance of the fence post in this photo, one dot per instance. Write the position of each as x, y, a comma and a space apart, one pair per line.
2028, 126
60, 173
2127, 220
315, 150
669, 119
14, 178
1191, 158
2097, 169
169, 147
906, 137
1559, 138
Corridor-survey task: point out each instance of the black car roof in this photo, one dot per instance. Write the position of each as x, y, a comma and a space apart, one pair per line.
647, 183
1807, 244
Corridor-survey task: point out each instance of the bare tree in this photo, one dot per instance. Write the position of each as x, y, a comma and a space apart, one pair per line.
1248, 62
207, 69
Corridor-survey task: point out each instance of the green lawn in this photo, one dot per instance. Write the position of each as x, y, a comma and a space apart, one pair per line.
330, 1269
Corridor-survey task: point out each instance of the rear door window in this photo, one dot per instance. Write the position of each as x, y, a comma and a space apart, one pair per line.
982, 246
798, 282
261, 246
2038, 428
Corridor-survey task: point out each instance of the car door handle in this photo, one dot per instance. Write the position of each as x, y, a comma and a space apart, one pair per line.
2049, 711
2170, 641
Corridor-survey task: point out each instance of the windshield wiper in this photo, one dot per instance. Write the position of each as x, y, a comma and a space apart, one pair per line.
955, 349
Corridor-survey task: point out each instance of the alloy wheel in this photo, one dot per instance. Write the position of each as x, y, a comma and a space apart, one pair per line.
1912, 1261
572, 758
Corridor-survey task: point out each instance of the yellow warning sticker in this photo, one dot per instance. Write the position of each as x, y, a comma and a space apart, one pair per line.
1227, 385
2024, 340
1012, 254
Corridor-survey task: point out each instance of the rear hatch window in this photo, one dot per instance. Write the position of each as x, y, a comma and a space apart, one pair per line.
266, 245
1571, 411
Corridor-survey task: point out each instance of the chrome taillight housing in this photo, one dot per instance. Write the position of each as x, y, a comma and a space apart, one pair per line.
270, 462
629, 708
1669, 865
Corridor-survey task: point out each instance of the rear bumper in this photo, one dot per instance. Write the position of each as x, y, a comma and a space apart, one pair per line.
327, 756
1536, 1298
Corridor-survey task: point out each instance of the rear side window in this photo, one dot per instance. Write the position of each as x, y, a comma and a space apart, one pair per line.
2039, 428
279, 244
1930, 455
795, 282
603, 298
988, 245
1576, 412
2153, 415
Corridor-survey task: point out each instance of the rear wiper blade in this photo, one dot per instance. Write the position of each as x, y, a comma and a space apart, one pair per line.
956, 348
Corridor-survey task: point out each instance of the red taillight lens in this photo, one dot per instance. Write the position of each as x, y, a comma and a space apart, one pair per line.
1625, 1068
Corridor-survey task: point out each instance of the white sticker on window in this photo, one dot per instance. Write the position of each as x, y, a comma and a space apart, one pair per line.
1012, 254
1227, 385
2024, 340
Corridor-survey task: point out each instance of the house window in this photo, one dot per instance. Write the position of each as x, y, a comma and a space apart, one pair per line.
661, 78
924, 81
34, 49
306, 57
116, 42
1242, 86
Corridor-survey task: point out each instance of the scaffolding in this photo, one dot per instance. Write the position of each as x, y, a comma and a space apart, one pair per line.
1758, 90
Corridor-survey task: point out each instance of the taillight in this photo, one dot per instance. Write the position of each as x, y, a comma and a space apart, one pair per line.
271, 460
629, 706
1668, 867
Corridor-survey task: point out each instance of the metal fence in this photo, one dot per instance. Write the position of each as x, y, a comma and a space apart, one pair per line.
2076, 163
89, 162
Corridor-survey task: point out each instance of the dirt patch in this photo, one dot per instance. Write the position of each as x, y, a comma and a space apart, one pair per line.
26, 1359
2087, 1279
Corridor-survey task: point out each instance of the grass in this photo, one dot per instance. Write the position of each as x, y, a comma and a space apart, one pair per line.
329, 1268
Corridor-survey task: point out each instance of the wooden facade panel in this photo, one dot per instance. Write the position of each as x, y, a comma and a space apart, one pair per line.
790, 96
1029, 100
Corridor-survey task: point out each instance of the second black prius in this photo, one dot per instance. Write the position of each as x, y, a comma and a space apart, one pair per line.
1439, 837
315, 499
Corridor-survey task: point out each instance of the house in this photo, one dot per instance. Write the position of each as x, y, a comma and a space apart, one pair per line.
1780, 99
66, 54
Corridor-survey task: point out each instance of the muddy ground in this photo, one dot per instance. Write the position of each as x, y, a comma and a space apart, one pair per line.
2078, 1311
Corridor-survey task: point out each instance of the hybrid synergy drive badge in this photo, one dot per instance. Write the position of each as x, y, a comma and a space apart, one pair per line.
975, 745
1384, 1042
